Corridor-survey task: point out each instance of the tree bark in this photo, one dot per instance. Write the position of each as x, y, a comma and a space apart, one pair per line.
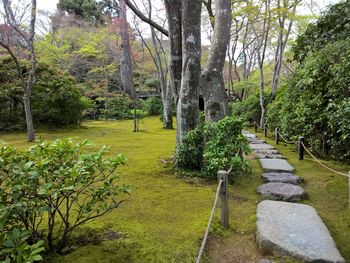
212, 80
188, 101
27, 87
174, 15
126, 60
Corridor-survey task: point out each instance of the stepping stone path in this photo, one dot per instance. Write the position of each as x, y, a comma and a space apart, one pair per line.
286, 228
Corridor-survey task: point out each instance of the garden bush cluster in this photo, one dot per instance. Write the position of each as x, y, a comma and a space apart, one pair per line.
315, 102
213, 147
48, 191
56, 99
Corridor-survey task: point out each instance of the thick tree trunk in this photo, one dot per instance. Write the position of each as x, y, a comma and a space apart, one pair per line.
212, 80
188, 101
126, 60
174, 14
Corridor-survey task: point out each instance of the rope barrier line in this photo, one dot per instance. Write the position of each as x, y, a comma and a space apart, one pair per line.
284, 139
322, 164
204, 241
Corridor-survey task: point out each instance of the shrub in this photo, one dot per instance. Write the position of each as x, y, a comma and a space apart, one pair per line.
47, 183
120, 107
248, 110
314, 102
56, 99
213, 147
153, 106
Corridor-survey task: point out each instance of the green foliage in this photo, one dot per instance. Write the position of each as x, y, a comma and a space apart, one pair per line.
315, 102
58, 183
153, 106
332, 26
90, 10
14, 246
213, 147
56, 99
120, 107
249, 109
139, 115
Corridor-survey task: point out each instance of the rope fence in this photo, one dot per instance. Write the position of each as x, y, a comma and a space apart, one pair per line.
221, 198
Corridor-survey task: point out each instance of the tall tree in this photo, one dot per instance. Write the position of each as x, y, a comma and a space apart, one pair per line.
28, 39
212, 79
188, 101
262, 33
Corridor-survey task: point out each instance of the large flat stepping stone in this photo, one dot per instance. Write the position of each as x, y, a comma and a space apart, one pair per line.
261, 146
276, 165
295, 230
281, 178
282, 192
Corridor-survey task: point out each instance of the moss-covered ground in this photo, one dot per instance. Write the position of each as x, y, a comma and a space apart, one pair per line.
165, 216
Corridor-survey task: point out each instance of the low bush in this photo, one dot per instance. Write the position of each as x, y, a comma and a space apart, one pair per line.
153, 106
213, 147
50, 190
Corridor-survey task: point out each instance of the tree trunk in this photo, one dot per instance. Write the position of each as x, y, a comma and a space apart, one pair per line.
167, 103
174, 14
188, 101
212, 80
126, 60
165, 89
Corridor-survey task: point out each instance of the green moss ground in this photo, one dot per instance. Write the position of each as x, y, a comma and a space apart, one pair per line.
165, 217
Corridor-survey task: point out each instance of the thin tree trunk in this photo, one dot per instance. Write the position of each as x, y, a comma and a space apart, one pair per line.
212, 80
126, 60
188, 101
31, 78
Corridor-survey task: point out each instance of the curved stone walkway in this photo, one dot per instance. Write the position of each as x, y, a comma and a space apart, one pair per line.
284, 228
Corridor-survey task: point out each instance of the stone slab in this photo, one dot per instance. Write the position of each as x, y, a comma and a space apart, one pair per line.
268, 156
261, 146
250, 135
276, 165
257, 141
282, 178
273, 151
282, 191
295, 230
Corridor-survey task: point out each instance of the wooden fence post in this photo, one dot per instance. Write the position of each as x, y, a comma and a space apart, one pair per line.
223, 199
277, 136
255, 126
301, 148
265, 130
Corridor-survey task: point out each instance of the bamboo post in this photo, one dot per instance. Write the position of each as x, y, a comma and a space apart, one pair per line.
301, 148
277, 136
265, 130
223, 199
